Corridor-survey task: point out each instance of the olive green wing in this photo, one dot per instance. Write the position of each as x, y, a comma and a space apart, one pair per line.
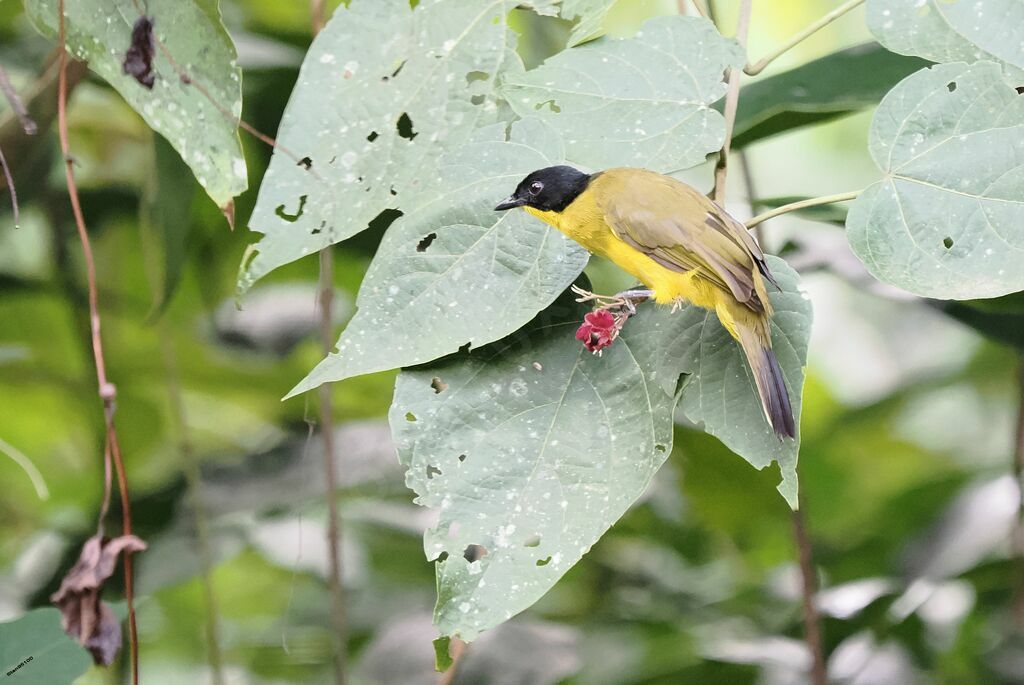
683, 230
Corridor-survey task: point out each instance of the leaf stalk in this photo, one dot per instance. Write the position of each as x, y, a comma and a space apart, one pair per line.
810, 202
759, 66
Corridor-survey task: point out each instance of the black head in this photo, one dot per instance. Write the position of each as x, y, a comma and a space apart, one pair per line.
550, 189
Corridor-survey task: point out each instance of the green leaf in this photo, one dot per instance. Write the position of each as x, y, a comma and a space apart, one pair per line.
166, 214
454, 271
720, 391
642, 101
1006, 326
838, 84
38, 648
532, 449
944, 31
204, 134
383, 91
947, 220
442, 656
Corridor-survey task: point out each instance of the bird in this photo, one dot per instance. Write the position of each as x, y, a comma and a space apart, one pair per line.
680, 244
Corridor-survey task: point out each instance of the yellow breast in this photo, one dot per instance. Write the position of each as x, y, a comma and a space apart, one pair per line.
583, 221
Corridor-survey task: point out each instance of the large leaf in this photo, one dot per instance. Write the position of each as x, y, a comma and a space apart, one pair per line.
642, 101
454, 271
35, 649
838, 84
205, 134
532, 450
720, 392
532, 447
383, 91
944, 31
947, 220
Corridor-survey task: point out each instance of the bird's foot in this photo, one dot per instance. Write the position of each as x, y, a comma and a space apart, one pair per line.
624, 302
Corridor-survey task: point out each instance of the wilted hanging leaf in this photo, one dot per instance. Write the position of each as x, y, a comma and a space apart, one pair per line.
947, 220
138, 61
454, 271
383, 92
84, 616
642, 101
204, 132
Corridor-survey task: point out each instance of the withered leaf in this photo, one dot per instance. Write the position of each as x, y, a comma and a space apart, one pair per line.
138, 61
83, 615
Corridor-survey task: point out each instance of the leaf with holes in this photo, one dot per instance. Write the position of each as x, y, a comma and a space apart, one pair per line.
642, 101
35, 649
944, 31
720, 393
532, 447
382, 92
203, 128
947, 220
454, 271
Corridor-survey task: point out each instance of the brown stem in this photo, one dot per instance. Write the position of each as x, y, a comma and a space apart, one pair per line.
330, 475
732, 99
457, 650
809, 583
107, 390
334, 578
1018, 472
10, 187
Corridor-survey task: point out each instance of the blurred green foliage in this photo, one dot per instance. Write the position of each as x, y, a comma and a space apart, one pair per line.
908, 437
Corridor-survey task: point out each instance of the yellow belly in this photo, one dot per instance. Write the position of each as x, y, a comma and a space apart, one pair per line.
585, 225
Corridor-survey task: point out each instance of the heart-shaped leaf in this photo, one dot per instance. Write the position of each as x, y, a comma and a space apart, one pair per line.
947, 220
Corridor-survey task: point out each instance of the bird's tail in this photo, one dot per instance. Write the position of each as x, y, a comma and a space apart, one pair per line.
756, 342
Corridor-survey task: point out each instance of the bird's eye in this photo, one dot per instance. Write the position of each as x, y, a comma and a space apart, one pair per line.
536, 187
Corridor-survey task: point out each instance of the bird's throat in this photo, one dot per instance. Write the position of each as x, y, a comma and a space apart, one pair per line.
547, 216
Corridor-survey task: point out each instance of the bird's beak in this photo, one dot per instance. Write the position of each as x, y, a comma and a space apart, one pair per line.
510, 202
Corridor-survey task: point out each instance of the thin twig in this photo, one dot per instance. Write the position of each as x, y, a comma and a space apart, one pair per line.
10, 187
748, 183
697, 5
758, 67
326, 300
27, 125
194, 481
1018, 472
457, 650
802, 204
812, 620
732, 99
107, 390
19, 458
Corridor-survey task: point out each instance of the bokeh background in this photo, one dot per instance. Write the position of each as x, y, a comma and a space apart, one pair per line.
909, 428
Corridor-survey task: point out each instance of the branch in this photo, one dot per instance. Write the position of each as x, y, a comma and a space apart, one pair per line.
27, 466
10, 187
107, 390
698, 5
326, 300
457, 651
1018, 533
27, 125
802, 204
758, 67
812, 621
732, 99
